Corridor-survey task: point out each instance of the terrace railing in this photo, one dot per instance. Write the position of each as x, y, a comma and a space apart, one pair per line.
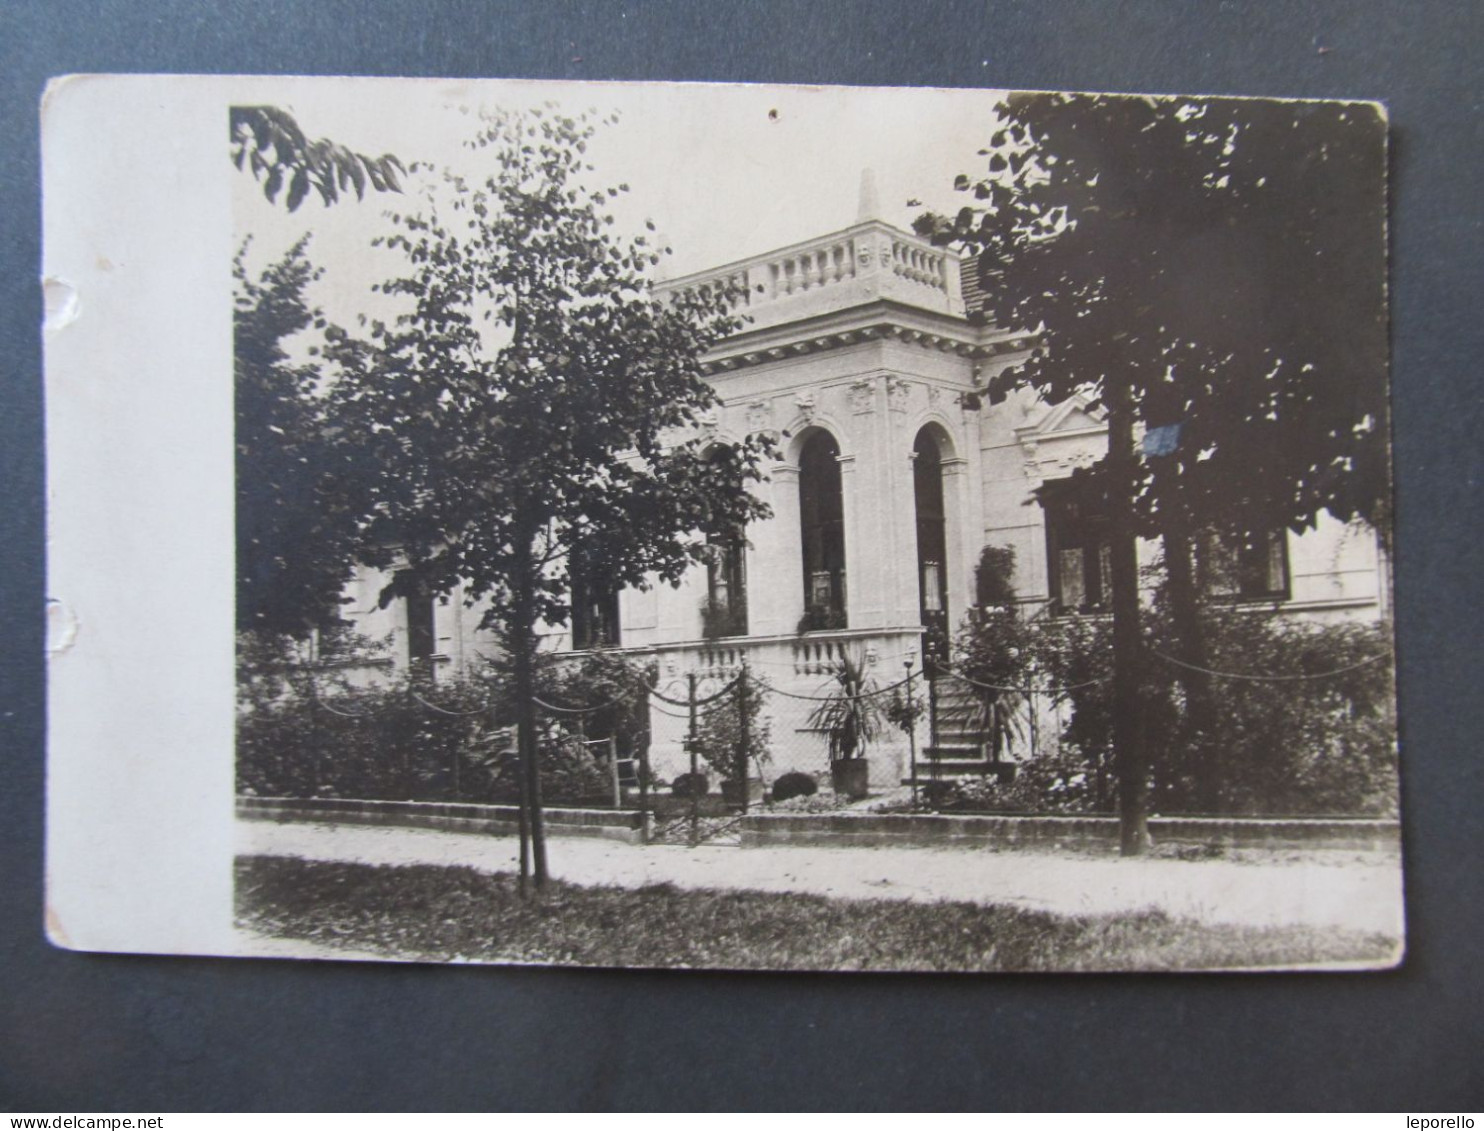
864, 263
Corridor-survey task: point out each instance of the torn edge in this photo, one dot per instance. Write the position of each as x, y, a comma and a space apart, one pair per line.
61, 628
60, 303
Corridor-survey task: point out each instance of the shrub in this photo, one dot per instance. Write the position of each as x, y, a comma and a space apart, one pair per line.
942, 794
613, 684
998, 650
794, 784
1293, 746
379, 743
719, 733
994, 576
1319, 745
691, 785
303, 730
569, 773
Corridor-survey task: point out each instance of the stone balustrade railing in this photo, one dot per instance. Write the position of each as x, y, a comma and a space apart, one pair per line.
810, 657
863, 263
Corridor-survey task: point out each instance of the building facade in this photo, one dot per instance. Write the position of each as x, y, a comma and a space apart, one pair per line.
860, 357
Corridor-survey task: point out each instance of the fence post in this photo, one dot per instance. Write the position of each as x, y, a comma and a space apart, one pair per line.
315, 739
745, 743
409, 777
458, 777
695, 765
646, 821
911, 728
1031, 698
613, 771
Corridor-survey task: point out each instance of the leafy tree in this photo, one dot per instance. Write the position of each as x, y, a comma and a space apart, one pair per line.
268, 142
1212, 267
295, 539
527, 412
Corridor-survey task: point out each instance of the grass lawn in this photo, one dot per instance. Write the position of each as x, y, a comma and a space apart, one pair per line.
441, 913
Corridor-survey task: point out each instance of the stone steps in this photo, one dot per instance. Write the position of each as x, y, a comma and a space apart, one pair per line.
962, 770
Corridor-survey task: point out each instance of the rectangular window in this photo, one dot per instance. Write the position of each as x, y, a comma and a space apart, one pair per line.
422, 638
1247, 568
594, 608
726, 589
1077, 547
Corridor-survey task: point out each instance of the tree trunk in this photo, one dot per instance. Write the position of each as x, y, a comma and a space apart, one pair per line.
1129, 759
523, 645
1190, 637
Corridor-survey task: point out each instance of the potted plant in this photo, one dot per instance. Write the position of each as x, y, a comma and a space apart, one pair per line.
820, 618
851, 720
720, 619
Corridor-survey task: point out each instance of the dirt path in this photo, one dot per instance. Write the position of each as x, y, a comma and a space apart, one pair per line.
1325, 889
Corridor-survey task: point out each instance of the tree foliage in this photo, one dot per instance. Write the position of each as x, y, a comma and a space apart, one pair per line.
296, 537
1212, 269
1227, 258
268, 142
529, 415
534, 395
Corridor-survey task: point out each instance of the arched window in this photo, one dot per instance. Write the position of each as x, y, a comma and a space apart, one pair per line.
932, 556
822, 531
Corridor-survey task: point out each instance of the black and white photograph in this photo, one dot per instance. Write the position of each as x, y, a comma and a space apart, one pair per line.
755, 527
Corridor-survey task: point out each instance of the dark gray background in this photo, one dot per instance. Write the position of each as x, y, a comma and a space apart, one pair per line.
80, 1032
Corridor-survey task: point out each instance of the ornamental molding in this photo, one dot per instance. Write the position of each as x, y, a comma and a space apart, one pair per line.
898, 393
966, 342
1066, 437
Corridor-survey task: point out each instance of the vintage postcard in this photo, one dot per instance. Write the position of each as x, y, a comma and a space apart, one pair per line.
745, 527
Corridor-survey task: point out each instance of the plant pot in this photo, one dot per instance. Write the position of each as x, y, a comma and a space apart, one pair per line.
733, 792
851, 777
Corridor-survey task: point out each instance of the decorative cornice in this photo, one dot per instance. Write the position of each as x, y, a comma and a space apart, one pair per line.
959, 345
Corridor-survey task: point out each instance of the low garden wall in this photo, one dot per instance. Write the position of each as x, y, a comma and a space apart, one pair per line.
839, 830
930, 830
494, 820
